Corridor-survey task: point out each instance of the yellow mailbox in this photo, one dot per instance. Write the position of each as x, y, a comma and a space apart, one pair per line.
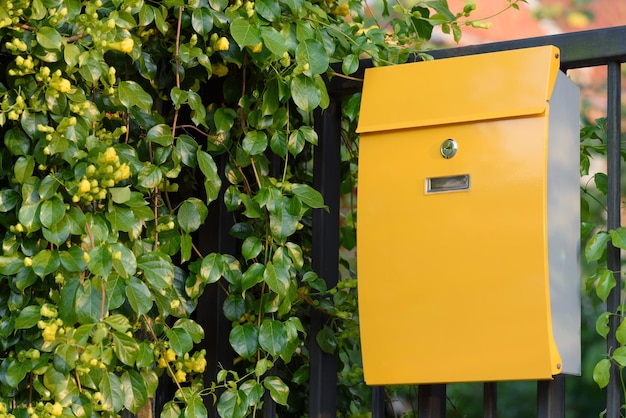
468, 220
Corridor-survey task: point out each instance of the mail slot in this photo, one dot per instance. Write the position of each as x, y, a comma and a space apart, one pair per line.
468, 220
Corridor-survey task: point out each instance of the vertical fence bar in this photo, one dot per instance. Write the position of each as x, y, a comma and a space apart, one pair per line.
551, 398
325, 254
490, 400
614, 193
378, 402
431, 401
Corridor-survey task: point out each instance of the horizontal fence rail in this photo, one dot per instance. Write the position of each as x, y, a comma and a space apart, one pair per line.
601, 47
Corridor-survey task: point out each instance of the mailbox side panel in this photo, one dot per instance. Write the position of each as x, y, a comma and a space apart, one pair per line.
453, 286
564, 221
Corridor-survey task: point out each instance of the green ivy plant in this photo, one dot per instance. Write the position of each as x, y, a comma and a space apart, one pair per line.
112, 113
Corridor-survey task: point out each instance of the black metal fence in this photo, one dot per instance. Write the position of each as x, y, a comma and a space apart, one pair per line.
604, 47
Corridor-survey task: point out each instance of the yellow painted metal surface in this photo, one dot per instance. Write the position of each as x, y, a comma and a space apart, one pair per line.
453, 286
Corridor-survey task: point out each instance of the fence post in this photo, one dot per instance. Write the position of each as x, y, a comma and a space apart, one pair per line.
325, 254
614, 195
551, 398
431, 401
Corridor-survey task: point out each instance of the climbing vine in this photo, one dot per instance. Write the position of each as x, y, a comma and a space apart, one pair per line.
112, 116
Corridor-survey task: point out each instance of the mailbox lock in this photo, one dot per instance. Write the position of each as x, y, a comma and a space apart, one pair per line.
449, 148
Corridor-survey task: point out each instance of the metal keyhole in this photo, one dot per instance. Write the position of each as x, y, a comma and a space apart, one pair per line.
449, 148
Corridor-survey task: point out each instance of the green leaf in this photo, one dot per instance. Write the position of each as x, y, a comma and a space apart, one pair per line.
149, 176
202, 20
88, 303
232, 404
326, 339
100, 261
308, 195
23, 168
65, 357
118, 322
244, 33
16, 372
283, 222
8, 199
191, 214
251, 247
273, 337
601, 373
212, 268
158, 271
139, 296
191, 327
619, 355
46, 262
111, 389
602, 324
596, 246
620, 333
273, 40
49, 38
350, 64
10, 265
252, 276
606, 282
255, 142
120, 194
279, 391
180, 340
135, 391
618, 237
132, 94
28, 317
224, 119
52, 211
305, 93
125, 348
124, 261
17, 142
160, 134
244, 340
312, 52
276, 275
268, 9
212, 181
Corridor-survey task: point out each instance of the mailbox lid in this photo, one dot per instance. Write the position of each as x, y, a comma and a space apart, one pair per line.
462, 89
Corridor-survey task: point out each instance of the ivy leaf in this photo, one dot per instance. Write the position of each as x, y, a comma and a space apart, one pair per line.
305, 93
618, 237
124, 261
191, 327
212, 181
88, 303
251, 247
255, 142
268, 9
8, 199
601, 373
149, 176
158, 271
602, 324
49, 38
244, 340
125, 347
620, 333
195, 408
233, 404
160, 134
202, 20
272, 38
252, 276
313, 53
619, 355
16, 372
180, 340
139, 296
244, 33
606, 282
283, 222
276, 275
46, 262
28, 317
596, 246
17, 142
273, 337
100, 261
279, 391
135, 391
111, 389
65, 357
132, 94
308, 195
191, 214
350, 64
118, 322
212, 268
326, 339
